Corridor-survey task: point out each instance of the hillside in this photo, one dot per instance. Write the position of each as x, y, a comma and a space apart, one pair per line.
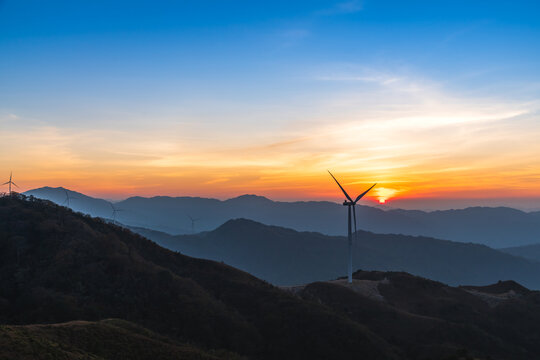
58, 266
495, 227
62, 274
287, 257
105, 339
428, 318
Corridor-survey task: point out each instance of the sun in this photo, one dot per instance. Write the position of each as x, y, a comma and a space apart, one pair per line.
384, 194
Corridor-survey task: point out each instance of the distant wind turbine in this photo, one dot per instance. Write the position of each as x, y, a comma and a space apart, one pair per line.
68, 198
10, 182
193, 223
114, 212
350, 203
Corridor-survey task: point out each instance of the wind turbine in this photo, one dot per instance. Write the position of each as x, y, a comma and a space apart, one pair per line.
10, 182
193, 223
350, 203
68, 198
114, 211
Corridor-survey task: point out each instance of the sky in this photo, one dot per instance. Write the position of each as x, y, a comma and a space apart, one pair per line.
438, 102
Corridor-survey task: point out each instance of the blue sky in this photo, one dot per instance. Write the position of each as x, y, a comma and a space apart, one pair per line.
77, 77
160, 50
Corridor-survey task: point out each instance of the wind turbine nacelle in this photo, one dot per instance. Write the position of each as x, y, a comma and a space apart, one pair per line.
347, 203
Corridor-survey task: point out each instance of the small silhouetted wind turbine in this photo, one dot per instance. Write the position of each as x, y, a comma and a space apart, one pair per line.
68, 198
114, 212
10, 182
350, 203
193, 223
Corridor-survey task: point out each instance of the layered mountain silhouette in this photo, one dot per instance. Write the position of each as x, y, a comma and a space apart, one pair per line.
58, 266
531, 252
288, 257
495, 227
63, 276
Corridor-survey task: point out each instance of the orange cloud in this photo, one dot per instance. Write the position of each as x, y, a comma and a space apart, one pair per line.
417, 142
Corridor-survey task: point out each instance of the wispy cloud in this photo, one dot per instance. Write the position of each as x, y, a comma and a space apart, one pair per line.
293, 36
409, 133
346, 7
349, 6
8, 117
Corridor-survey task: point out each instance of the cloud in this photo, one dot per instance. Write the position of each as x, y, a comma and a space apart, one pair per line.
412, 133
351, 73
382, 80
409, 133
295, 34
8, 117
347, 7
291, 37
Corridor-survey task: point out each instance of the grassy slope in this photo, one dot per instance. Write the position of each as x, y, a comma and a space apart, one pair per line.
105, 339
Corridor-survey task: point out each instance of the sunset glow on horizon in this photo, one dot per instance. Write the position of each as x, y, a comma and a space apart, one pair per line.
265, 101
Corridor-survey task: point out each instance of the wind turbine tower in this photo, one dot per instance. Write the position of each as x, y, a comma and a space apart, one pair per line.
192, 224
10, 182
350, 203
68, 197
114, 212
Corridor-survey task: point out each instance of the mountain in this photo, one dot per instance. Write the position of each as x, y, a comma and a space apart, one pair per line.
77, 201
63, 276
531, 252
288, 257
495, 227
58, 266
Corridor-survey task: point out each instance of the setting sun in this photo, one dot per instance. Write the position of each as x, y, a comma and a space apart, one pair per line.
383, 194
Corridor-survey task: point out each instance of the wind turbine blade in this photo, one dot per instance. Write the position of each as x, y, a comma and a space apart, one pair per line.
364, 193
14, 184
7, 182
342, 189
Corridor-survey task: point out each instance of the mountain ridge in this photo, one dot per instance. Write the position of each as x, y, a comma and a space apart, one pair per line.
531, 251
496, 227
288, 257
